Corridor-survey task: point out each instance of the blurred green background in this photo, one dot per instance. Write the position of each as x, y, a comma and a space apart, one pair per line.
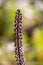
32, 12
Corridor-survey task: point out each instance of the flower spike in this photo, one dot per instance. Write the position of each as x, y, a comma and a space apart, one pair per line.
18, 38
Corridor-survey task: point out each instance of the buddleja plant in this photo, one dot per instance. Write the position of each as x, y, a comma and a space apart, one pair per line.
18, 38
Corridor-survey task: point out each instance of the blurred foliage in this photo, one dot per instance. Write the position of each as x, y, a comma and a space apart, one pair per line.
32, 24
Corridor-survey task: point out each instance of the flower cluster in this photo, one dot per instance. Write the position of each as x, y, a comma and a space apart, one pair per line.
18, 38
